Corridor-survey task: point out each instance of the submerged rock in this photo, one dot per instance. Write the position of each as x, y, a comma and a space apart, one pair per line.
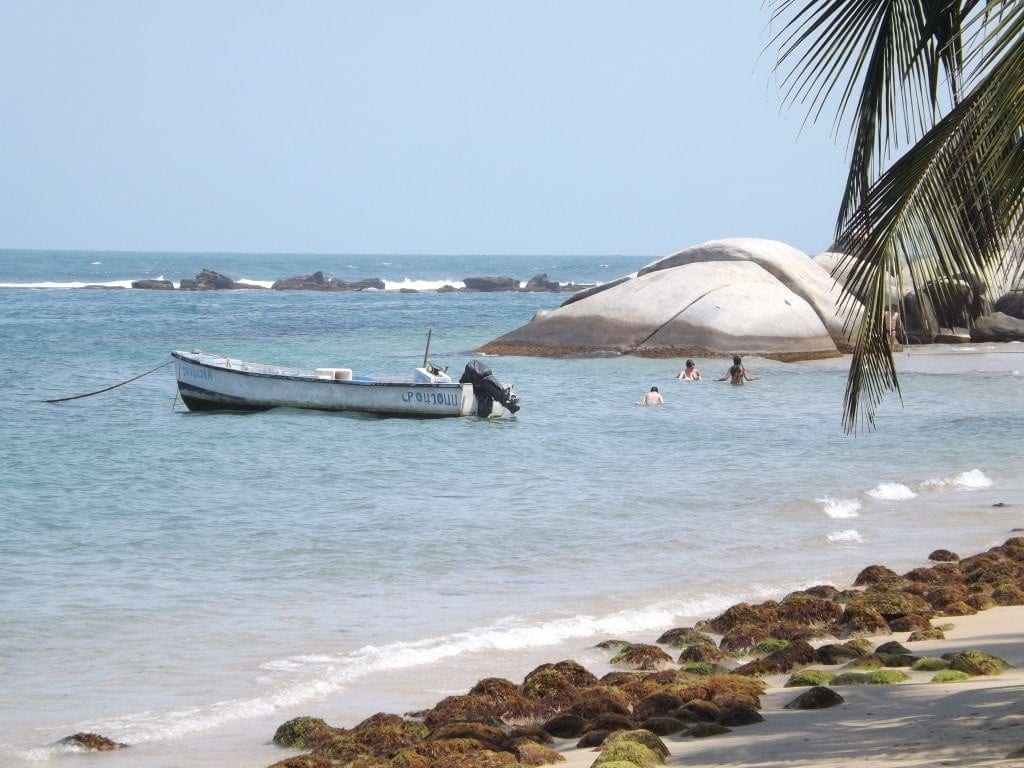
491, 284
153, 285
320, 282
92, 741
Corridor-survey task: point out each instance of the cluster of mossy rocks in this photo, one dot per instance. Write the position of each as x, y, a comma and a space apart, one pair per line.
692, 681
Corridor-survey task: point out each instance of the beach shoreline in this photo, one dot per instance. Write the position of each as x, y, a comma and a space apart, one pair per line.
919, 722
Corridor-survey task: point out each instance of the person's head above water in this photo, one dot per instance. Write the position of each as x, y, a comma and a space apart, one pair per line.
654, 389
737, 360
689, 363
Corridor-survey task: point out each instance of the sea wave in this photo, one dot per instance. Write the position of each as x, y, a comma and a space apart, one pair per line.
838, 508
969, 480
891, 492
848, 536
421, 285
67, 285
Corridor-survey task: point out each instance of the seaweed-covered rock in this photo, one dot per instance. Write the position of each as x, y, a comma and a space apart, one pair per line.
862, 621
592, 739
702, 654
876, 574
656, 705
704, 668
923, 575
630, 751
878, 677
837, 653
743, 636
945, 594
600, 700
943, 556
981, 602
684, 637
612, 645
913, 622
818, 697
548, 684
664, 726
533, 754
489, 736
889, 603
795, 654
1008, 594
91, 741
801, 608
739, 715
975, 662
611, 722
809, 678
642, 656
309, 761
929, 664
960, 608
639, 736
703, 730
743, 613
723, 690
700, 710
303, 733
932, 633
893, 648
468, 708
565, 726
529, 732
950, 676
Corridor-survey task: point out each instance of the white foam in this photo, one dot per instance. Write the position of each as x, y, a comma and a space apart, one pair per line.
76, 284
95, 263
849, 536
969, 480
891, 492
421, 285
838, 508
261, 283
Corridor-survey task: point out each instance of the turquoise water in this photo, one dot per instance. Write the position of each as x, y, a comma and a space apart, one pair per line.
185, 582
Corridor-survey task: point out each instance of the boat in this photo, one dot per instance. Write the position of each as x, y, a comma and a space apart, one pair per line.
211, 382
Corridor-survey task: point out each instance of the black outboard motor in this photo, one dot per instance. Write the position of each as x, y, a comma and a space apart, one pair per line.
487, 389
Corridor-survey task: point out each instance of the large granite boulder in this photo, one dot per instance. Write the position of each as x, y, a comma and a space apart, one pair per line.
320, 282
1011, 304
735, 296
839, 266
998, 327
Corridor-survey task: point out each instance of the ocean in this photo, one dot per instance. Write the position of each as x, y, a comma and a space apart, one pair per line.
186, 582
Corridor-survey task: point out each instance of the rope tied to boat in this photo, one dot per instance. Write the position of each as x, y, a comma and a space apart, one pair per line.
107, 389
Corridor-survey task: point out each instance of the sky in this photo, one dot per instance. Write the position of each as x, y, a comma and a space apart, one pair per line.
353, 126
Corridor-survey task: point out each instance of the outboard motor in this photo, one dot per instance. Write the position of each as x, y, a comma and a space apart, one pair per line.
487, 389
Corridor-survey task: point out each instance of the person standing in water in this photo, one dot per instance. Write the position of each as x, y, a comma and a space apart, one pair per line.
737, 373
652, 398
690, 373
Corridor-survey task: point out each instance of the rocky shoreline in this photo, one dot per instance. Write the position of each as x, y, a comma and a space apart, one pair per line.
210, 280
691, 683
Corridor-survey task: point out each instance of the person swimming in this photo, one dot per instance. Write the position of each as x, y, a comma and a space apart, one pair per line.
737, 372
652, 398
690, 373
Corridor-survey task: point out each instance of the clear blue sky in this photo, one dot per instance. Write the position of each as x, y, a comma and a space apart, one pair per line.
352, 126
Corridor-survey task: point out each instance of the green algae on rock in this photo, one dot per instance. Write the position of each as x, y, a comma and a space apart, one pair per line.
975, 662
809, 678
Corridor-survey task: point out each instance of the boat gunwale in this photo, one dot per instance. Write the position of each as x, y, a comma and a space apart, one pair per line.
184, 357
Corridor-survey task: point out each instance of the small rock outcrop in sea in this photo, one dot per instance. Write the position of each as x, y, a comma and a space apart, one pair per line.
320, 282
92, 742
209, 280
724, 297
490, 284
153, 285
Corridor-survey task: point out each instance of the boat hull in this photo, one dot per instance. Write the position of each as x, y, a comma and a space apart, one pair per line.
215, 383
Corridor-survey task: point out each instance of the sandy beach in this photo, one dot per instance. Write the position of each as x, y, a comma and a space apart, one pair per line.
917, 723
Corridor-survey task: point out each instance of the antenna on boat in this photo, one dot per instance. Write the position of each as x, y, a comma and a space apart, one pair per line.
426, 352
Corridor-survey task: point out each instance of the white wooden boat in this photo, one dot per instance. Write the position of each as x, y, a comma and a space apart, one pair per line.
208, 382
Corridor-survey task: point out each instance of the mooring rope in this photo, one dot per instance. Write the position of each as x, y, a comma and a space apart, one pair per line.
107, 389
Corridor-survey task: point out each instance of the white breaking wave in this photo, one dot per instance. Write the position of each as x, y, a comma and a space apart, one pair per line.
849, 536
261, 283
421, 285
838, 508
891, 492
969, 480
52, 285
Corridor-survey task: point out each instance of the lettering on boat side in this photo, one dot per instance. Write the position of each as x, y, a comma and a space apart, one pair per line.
431, 398
189, 372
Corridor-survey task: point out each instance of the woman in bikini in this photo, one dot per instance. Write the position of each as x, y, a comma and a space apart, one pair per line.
690, 373
737, 373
